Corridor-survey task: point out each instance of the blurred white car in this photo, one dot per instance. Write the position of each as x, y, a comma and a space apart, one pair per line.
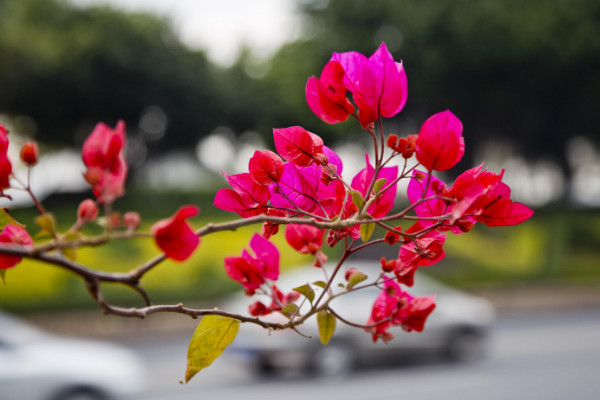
457, 329
38, 366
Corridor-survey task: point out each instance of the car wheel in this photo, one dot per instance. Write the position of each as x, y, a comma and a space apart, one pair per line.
80, 394
331, 361
265, 367
465, 345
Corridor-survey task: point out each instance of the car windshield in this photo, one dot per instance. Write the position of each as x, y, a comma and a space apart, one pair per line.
14, 331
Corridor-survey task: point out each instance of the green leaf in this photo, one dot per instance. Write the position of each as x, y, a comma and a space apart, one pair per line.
3, 275
71, 252
6, 219
321, 284
379, 183
326, 322
289, 310
357, 198
356, 278
366, 230
306, 291
47, 223
213, 334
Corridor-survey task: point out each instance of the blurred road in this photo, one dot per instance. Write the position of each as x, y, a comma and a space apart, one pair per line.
532, 356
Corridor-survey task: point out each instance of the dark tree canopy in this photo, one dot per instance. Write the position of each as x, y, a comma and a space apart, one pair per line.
525, 72
69, 67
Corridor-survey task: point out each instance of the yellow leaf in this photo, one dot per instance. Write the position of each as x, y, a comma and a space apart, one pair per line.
366, 230
357, 198
47, 223
213, 334
6, 219
326, 322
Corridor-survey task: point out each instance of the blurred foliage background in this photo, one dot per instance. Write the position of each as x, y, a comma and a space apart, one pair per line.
522, 76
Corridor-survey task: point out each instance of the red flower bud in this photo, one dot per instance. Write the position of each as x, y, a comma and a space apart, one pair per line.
321, 159
114, 220
391, 140
387, 266
257, 309
349, 273
132, 220
87, 211
30, 153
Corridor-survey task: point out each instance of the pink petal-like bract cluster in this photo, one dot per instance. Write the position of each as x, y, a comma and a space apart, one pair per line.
13, 234
253, 270
304, 239
440, 144
5, 165
378, 85
326, 96
384, 201
103, 155
395, 307
477, 195
174, 236
303, 181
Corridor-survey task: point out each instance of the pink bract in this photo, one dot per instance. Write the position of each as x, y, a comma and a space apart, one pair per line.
394, 307
102, 154
5, 165
13, 234
252, 271
378, 84
247, 198
297, 145
326, 96
385, 202
265, 167
174, 236
304, 239
440, 144
302, 187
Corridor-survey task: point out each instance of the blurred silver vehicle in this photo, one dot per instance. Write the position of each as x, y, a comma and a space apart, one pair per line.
457, 330
35, 365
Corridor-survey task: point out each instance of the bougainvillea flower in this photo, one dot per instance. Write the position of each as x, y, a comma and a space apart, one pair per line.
278, 302
302, 187
297, 145
247, 198
304, 239
271, 228
252, 271
265, 167
174, 236
326, 96
440, 144
504, 212
481, 195
13, 234
394, 307
5, 165
103, 155
384, 202
417, 190
426, 250
335, 235
378, 84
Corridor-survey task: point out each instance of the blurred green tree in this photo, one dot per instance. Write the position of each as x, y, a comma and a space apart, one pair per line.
523, 72
69, 67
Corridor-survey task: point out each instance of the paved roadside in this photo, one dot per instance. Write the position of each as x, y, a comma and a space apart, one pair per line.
92, 323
